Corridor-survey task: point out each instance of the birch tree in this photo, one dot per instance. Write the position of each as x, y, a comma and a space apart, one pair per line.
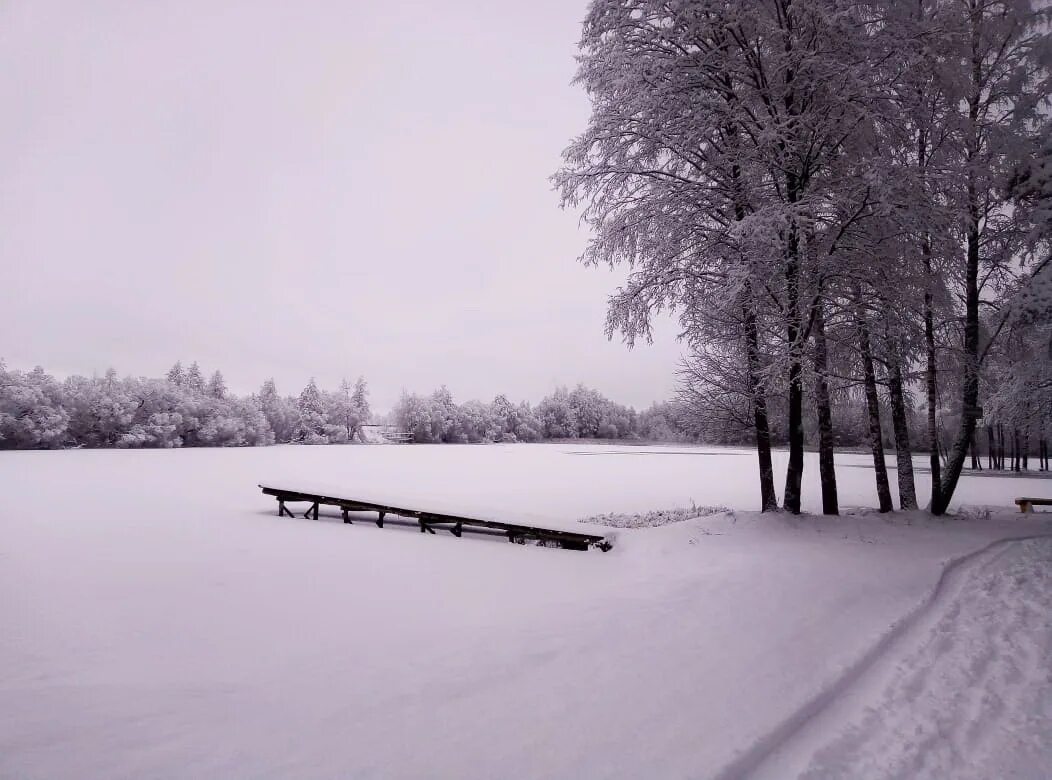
710, 161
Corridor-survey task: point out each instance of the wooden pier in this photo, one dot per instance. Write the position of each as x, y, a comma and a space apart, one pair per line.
428, 521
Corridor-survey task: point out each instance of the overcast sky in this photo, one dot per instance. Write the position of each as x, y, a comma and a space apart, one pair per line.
302, 189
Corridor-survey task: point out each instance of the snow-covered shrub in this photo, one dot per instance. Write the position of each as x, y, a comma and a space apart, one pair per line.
136, 437
654, 517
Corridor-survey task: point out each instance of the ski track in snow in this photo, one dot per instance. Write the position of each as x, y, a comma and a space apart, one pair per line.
961, 689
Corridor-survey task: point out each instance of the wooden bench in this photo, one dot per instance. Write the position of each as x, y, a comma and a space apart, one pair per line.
1028, 504
428, 521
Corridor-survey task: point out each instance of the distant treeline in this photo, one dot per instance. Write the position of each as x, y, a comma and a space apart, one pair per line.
184, 409
581, 413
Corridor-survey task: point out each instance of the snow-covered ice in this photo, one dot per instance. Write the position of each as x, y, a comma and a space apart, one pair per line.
160, 621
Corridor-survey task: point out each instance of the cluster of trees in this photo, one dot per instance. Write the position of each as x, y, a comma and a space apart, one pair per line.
316, 416
565, 414
185, 410
181, 410
846, 202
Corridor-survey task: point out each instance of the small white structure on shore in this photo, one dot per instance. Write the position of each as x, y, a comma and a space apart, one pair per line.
384, 434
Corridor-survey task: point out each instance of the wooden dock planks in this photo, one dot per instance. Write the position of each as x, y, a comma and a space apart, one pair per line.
429, 521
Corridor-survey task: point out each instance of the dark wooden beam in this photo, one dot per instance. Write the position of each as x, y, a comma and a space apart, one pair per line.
427, 521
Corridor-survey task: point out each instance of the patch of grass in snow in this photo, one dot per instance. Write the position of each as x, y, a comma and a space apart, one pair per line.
979, 513
653, 518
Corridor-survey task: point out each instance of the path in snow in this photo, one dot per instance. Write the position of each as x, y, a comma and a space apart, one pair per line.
965, 691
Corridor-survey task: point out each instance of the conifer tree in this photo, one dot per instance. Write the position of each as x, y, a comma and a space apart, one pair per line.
217, 385
311, 415
194, 379
176, 375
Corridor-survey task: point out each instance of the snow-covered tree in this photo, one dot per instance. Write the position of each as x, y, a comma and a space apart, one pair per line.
770, 170
195, 381
342, 417
413, 414
360, 400
528, 426
281, 413
31, 410
176, 374
217, 385
311, 429
557, 415
714, 167
993, 51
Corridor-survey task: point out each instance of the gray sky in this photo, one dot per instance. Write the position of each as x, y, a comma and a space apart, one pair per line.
296, 189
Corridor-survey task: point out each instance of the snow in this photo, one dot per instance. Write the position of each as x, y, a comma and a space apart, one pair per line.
160, 621
964, 691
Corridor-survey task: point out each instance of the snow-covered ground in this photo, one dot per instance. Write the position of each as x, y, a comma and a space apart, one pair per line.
159, 620
965, 691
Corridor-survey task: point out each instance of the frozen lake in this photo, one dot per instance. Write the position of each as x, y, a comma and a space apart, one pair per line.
557, 481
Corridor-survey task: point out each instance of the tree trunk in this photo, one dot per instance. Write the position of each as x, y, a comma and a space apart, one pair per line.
825, 417
873, 405
930, 378
1000, 447
903, 454
768, 498
977, 464
795, 471
761, 422
990, 447
970, 384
